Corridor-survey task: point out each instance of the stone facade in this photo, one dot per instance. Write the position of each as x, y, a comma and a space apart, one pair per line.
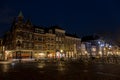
25, 40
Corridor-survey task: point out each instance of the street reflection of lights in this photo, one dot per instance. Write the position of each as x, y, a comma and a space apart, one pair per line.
61, 66
41, 65
85, 70
13, 64
5, 62
61, 69
5, 68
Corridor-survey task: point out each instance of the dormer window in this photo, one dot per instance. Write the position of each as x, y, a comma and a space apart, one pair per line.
50, 31
41, 31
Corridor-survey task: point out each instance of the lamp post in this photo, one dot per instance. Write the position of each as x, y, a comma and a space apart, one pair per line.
61, 53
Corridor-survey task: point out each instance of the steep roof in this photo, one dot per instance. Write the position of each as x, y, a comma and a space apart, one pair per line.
28, 22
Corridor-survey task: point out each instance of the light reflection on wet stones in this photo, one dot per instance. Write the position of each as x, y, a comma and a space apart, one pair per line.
41, 65
5, 67
55, 71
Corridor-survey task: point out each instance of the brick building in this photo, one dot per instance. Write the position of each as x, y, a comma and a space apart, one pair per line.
26, 40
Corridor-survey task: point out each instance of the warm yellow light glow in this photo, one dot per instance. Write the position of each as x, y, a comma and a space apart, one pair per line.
100, 53
61, 50
41, 65
110, 53
7, 52
85, 52
109, 48
104, 49
93, 49
117, 53
41, 54
50, 55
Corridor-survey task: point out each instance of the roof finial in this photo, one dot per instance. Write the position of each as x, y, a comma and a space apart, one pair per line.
20, 17
20, 14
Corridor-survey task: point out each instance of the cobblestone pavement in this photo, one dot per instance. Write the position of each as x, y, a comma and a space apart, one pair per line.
58, 71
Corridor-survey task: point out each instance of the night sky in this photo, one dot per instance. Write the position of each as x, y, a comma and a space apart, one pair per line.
81, 16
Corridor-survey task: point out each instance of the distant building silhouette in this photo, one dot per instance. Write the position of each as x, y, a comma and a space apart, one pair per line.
98, 46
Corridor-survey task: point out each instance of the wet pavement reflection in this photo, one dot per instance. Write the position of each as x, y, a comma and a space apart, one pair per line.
5, 68
58, 71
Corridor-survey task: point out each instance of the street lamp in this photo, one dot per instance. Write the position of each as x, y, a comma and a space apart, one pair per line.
61, 50
61, 53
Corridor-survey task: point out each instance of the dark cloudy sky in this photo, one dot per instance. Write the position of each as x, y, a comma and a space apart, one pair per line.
80, 16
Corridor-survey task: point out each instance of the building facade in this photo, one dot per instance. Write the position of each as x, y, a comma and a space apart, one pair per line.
25, 40
97, 47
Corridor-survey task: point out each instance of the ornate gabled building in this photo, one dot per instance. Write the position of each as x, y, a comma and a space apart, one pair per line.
25, 40
19, 42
